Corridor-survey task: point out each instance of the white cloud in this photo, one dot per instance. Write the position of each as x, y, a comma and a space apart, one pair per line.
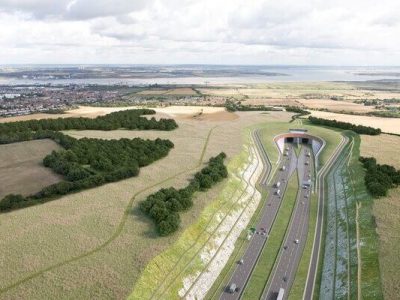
203, 31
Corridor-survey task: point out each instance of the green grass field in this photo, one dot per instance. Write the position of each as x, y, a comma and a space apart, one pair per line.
387, 212
264, 267
370, 278
164, 275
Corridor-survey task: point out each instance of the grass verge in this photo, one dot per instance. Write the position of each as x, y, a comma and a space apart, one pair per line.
296, 292
370, 274
163, 276
352, 176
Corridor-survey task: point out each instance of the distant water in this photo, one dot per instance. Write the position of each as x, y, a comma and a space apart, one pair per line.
284, 74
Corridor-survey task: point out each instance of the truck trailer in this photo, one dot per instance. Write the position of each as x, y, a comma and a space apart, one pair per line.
280, 294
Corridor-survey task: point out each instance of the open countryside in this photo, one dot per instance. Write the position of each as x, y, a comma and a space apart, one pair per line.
210, 149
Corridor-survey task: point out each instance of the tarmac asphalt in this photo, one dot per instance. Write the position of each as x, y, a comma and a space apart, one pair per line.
290, 254
250, 258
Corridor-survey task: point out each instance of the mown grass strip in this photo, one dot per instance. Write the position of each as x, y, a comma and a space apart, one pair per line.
117, 231
371, 287
273, 245
299, 282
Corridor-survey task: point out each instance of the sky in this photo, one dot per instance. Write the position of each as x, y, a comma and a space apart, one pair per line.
251, 32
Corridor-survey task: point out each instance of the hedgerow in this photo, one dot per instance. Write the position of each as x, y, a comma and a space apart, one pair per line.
360, 129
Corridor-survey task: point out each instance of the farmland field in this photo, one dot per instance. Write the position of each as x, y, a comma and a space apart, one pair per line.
389, 125
21, 168
90, 244
334, 96
387, 212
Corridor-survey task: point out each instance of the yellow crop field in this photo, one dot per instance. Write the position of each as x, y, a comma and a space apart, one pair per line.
390, 125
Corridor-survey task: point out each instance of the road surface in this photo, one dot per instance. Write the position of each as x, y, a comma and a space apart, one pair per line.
289, 256
243, 271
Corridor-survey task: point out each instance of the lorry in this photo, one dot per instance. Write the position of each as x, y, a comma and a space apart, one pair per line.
280, 294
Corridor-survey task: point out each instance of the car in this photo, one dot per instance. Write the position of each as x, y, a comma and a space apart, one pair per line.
302, 202
296, 241
285, 247
237, 290
231, 288
284, 278
240, 262
262, 229
263, 233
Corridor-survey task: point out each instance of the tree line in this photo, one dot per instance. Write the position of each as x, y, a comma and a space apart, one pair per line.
379, 178
129, 119
360, 129
232, 106
163, 207
87, 163
299, 112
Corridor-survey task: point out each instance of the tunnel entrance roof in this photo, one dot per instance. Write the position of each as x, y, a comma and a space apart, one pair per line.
295, 130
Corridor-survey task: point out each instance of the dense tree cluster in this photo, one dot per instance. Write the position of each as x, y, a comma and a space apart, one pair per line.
379, 178
163, 207
299, 112
232, 106
346, 126
296, 109
129, 119
87, 163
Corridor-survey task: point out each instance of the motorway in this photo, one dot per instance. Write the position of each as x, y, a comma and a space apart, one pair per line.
285, 266
290, 254
250, 258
